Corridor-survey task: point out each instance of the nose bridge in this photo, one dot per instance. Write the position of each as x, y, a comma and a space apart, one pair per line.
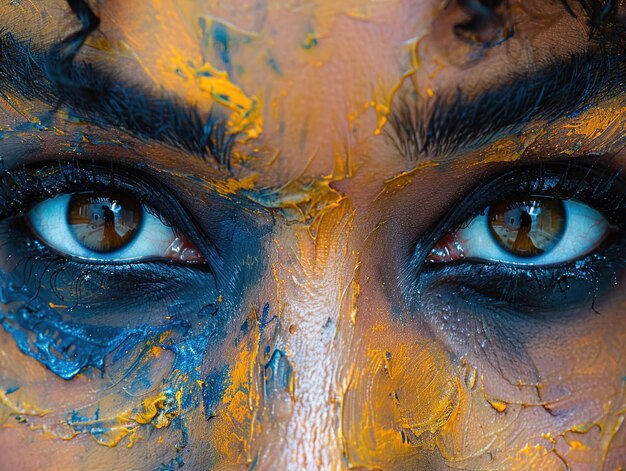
346, 386
316, 281
326, 376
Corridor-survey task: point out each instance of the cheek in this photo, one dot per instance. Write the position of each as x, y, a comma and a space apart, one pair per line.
451, 385
403, 394
113, 415
534, 392
105, 406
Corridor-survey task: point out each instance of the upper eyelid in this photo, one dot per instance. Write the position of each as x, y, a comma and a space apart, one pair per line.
23, 188
478, 200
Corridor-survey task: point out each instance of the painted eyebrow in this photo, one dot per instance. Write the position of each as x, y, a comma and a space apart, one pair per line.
447, 125
95, 96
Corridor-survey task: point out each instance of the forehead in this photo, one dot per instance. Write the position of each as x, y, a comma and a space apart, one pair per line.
309, 84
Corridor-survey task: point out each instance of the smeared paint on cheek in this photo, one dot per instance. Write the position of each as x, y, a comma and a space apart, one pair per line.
115, 372
401, 397
147, 385
245, 405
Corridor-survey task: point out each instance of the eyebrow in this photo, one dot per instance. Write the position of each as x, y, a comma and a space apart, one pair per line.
446, 125
90, 94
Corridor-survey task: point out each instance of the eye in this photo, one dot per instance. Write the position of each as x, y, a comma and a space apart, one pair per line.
526, 229
109, 227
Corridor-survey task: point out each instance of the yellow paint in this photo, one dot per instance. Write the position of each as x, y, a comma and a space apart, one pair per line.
356, 292
509, 149
156, 351
404, 179
236, 425
578, 445
246, 111
383, 108
582, 428
233, 186
153, 410
394, 408
310, 41
156, 411
472, 378
498, 405
57, 306
326, 225
596, 121
378, 327
11, 407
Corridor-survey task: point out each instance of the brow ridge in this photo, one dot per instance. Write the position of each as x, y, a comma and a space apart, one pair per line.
460, 122
102, 99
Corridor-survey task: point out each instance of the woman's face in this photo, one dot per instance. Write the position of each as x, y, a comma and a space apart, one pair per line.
311, 234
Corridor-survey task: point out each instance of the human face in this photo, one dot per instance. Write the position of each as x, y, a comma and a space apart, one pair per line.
359, 234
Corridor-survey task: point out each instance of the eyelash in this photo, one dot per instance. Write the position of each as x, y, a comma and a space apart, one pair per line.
601, 188
23, 188
554, 180
54, 302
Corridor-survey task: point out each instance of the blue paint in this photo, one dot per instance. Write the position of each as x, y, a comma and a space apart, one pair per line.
213, 388
577, 113
65, 348
221, 42
244, 327
278, 374
216, 39
74, 340
265, 320
172, 465
271, 60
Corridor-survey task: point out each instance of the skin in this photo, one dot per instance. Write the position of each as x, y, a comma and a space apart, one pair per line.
319, 78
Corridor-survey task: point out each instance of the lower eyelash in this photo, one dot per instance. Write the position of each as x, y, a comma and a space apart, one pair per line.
555, 289
601, 188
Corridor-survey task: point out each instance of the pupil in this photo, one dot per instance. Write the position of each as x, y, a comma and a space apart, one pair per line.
104, 223
527, 226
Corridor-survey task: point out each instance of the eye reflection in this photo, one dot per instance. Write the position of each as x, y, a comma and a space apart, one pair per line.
109, 227
526, 230
527, 227
104, 223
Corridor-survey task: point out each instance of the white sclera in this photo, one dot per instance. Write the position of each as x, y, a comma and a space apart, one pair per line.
585, 229
49, 221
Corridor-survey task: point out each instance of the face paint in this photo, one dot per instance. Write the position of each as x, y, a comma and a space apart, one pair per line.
314, 337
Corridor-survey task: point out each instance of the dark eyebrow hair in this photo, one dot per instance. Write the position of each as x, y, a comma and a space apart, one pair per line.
445, 125
54, 78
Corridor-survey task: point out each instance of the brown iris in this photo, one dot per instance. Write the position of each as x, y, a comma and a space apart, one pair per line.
104, 222
527, 226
